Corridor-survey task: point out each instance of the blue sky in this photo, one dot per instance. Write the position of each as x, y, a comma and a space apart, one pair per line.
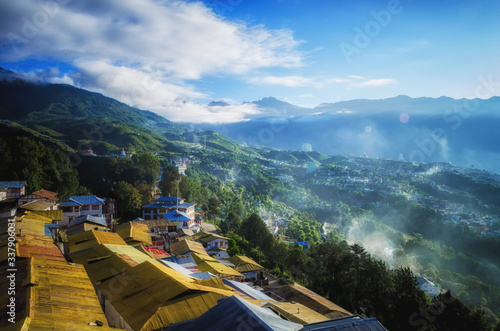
174, 57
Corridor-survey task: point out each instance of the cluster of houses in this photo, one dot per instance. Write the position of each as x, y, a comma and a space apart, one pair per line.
73, 269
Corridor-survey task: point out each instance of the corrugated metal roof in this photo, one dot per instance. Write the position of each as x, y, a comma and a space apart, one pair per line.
46, 194
56, 296
300, 294
37, 205
55, 215
185, 259
12, 184
134, 232
198, 258
296, 312
154, 296
218, 269
176, 215
49, 227
34, 246
248, 290
245, 264
169, 199
186, 246
88, 199
89, 219
352, 323
28, 223
237, 314
206, 237
155, 253
70, 203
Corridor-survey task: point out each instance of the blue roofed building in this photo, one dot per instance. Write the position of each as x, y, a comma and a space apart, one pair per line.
165, 205
82, 205
15, 189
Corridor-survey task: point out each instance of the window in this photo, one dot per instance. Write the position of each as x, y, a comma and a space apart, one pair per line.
86, 207
67, 209
95, 207
77, 209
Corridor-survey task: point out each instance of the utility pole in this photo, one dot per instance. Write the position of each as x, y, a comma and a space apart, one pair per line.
177, 197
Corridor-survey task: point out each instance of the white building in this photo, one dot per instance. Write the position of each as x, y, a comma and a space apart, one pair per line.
428, 287
81, 205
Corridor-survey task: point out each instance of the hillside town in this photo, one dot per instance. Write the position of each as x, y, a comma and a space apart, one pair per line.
68, 265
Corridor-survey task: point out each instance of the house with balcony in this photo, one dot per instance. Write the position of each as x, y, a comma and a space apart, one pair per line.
165, 205
81, 205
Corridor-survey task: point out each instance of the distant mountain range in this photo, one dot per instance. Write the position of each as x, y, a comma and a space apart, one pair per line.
77, 119
464, 132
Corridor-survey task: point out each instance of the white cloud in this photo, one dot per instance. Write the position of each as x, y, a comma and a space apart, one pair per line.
288, 81
143, 52
354, 81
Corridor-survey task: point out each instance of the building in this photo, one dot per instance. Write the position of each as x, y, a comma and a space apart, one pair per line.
15, 189
165, 205
134, 233
182, 219
86, 223
211, 241
187, 246
81, 205
428, 287
3, 193
310, 299
41, 195
245, 265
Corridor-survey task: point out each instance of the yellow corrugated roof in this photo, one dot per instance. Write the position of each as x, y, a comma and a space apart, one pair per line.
297, 312
103, 261
57, 296
28, 223
205, 237
55, 215
134, 232
300, 294
218, 268
245, 264
84, 240
183, 309
198, 258
149, 287
186, 246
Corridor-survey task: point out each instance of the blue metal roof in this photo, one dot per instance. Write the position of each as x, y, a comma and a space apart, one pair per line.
70, 203
350, 323
169, 199
181, 259
87, 218
12, 184
234, 313
87, 199
177, 216
49, 226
